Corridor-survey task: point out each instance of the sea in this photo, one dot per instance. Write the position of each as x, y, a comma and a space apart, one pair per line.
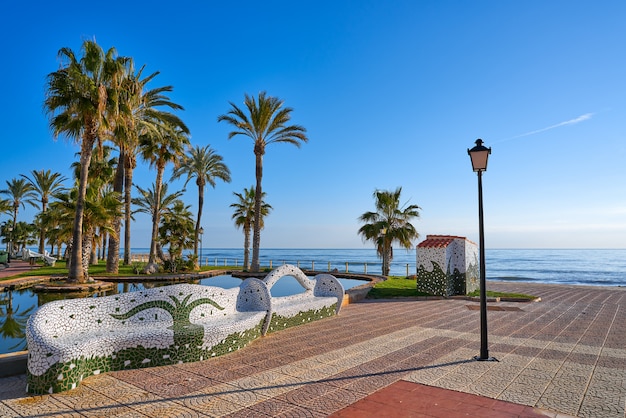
596, 267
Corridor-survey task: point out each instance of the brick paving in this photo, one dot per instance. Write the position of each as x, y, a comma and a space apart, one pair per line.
563, 356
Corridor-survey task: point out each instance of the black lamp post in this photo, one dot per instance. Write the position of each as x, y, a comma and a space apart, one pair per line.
201, 231
479, 155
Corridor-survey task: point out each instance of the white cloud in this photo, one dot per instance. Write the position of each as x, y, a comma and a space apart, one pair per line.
574, 121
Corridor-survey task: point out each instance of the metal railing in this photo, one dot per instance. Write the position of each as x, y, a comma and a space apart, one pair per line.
359, 267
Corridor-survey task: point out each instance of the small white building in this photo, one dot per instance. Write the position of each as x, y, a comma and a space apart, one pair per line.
447, 265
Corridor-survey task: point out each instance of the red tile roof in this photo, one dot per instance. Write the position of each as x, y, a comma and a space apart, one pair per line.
438, 241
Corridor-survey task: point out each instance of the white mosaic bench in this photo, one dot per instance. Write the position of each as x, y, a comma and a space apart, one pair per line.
69, 340
322, 297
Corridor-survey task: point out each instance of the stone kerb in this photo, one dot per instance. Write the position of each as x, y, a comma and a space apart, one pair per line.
69, 340
322, 297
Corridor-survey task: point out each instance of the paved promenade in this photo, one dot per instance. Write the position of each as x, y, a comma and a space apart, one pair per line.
565, 355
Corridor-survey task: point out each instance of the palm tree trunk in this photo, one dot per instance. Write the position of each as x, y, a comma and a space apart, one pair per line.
86, 250
387, 255
76, 272
113, 255
105, 237
42, 232
197, 231
11, 241
246, 247
128, 185
156, 213
256, 236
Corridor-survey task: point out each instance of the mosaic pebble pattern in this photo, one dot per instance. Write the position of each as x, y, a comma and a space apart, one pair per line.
459, 260
69, 340
322, 298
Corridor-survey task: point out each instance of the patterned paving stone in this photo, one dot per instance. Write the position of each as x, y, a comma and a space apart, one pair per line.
40, 406
551, 356
167, 409
7, 412
113, 412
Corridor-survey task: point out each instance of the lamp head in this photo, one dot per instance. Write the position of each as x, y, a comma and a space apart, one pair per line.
479, 155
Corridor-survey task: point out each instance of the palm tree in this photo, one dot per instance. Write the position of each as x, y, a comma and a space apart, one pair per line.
20, 192
102, 206
244, 217
45, 184
23, 235
390, 223
77, 99
50, 220
265, 123
143, 114
101, 175
159, 147
147, 204
176, 231
5, 206
205, 165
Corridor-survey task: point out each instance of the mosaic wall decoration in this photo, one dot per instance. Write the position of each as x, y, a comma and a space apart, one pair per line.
69, 340
447, 265
322, 298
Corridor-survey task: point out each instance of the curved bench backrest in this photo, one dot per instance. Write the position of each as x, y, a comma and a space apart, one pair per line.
322, 285
288, 270
253, 296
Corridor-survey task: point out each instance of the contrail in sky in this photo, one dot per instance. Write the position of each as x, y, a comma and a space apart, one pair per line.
574, 121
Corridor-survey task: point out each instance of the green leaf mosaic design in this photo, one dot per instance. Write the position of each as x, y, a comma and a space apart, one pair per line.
185, 333
432, 282
438, 283
280, 322
66, 376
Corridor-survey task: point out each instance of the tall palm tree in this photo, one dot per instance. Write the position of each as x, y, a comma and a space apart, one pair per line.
205, 165
244, 218
45, 184
144, 112
159, 147
390, 223
147, 203
102, 169
20, 192
265, 122
78, 96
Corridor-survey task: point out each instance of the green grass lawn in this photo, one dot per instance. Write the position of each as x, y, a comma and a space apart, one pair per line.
60, 269
395, 287
398, 287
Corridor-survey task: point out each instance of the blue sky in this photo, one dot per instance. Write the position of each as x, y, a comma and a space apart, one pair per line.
391, 94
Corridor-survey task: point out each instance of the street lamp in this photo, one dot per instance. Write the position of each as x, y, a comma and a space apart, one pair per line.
201, 231
479, 155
